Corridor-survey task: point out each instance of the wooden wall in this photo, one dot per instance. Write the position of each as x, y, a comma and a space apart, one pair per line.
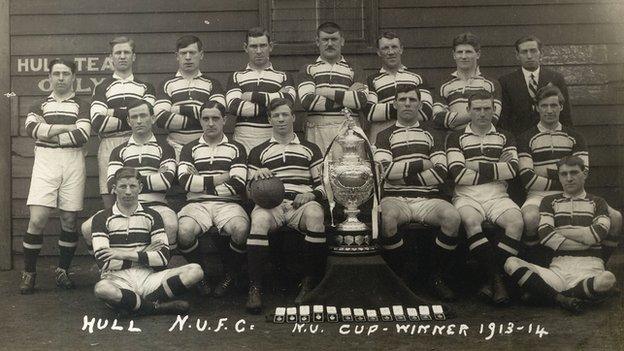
584, 41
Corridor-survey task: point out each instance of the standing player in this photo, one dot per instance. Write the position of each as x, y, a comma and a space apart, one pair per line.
449, 108
573, 224
327, 86
109, 108
250, 91
414, 162
213, 171
298, 165
60, 128
481, 159
129, 241
382, 86
180, 98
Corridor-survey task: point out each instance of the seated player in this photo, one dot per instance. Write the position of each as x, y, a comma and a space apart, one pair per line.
156, 163
414, 162
129, 241
213, 171
573, 224
481, 159
539, 150
298, 164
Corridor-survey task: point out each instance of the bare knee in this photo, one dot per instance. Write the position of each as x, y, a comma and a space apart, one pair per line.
68, 221
513, 226
313, 216
531, 216
616, 221
450, 221
37, 223
106, 291
191, 274
604, 281
512, 264
261, 221
188, 230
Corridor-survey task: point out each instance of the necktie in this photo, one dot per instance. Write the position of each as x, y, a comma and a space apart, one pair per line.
532, 86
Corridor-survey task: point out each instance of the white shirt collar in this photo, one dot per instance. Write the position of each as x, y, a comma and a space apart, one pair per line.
543, 129
477, 73
579, 196
415, 125
401, 69
129, 79
527, 74
469, 130
53, 96
198, 74
152, 139
295, 140
116, 210
223, 140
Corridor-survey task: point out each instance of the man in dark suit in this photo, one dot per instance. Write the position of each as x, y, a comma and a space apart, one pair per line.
519, 88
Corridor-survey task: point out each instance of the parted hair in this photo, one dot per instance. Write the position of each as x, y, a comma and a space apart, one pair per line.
213, 104
122, 40
328, 27
388, 35
187, 40
467, 39
571, 160
137, 103
127, 172
549, 90
406, 88
69, 63
526, 38
480, 95
257, 32
275, 103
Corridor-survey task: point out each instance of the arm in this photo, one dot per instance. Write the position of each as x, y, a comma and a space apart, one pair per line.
505, 113
189, 177
235, 104
103, 118
169, 117
235, 184
115, 162
443, 117
101, 246
424, 172
306, 90
287, 91
316, 171
80, 135
162, 180
496, 91
457, 163
595, 232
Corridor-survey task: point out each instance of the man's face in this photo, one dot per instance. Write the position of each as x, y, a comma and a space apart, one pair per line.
282, 120
407, 106
466, 56
330, 45
529, 55
549, 110
140, 120
259, 50
481, 112
390, 51
572, 178
127, 191
189, 58
61, 79
122, 57
212, 122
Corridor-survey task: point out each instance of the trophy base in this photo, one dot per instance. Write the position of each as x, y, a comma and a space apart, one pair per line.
352, 243
351, 226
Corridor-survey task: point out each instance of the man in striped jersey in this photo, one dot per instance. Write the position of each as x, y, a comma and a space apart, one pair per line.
109, 107
414, 162
129, 242
298, 164
481, 159
539, 150
250, 91
573, 224
213, 171
450, 101
382, 86
181, 97
327, 86
60, 127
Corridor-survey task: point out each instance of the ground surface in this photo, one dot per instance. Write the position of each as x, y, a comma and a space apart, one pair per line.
53, 320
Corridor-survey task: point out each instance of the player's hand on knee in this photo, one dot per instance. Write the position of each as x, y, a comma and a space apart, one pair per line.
357, 86
301, 199
192, 170
104, 254
154, 246
263, 173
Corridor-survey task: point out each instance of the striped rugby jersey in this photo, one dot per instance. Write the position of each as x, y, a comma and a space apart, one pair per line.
189, 96
382, 92
466, 145
134, 233
71, 110
402, 150
265, 85
117, 93
451, 100
298, 164
155, 161
322, 74
199, 157
539, 150
585, 211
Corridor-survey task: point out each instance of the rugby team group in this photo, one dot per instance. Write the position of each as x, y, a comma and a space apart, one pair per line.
505, 148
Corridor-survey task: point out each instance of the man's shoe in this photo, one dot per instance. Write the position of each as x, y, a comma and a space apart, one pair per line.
171, 307
203, 288
62, 279
571, 304
254, 300
27, 285
225, 286
499, 291
441, 290
306, 286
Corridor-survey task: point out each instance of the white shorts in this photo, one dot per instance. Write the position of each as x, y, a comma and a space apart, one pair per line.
104, 151
58, 179
322, 130
415, 209
285, 214
141, 280
534, 198
251, 137
213, 213
567, 271
490, 210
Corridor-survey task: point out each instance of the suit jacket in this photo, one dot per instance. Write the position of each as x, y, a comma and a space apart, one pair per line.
517, 114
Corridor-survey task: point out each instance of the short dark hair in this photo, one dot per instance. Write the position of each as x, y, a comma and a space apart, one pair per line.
213, 104
467, 39
526, 39
406, 88
481, 94
257, 32
275, 103
187, 40
69, 63
329, 28
571, 160
121, 40
387, 35
137, 103
127, 172
549, 90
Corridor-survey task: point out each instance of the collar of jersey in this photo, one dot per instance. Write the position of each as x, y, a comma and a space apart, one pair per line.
342, 60
129, 79
543, 129
295, 140
117, 212
401, 69
223, 140
52, 96
179, 74
580, 196
270, 68
477, 73
398, 124
468, 130
149, 141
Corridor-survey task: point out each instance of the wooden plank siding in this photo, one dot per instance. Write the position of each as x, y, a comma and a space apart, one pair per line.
584, 40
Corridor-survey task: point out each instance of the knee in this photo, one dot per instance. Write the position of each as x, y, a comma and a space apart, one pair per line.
85, 229
514, 227
37, 223
512, 264
451, 220
261, 221
237, 227
530, 216
187, 230
314, 215
616, 221
472, 223
604, 281
104, 290
194, 273
68, 221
